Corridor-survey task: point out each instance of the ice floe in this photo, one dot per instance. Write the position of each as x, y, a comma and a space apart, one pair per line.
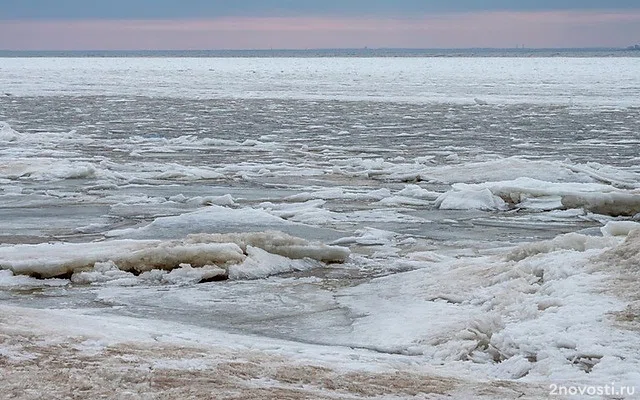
469, 199
98, 260
536, 194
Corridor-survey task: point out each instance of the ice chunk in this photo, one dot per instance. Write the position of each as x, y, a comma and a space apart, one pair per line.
614, 204
404, 201
417, 192
7, 134
537, 194
46, 169
369, 237
187, 275
59, 259
469, 199
619, 228
260, 264
9, 280
340, 193
225, 200
186, 173
293, 210
281, 244
209, 219
103, 272
510, 168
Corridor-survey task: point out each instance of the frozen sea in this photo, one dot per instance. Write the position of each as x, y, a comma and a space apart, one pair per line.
319, 227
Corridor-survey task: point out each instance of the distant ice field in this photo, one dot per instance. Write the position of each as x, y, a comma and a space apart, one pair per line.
476, 217
581, 81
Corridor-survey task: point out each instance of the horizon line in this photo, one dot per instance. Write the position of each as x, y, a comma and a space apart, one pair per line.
623, 47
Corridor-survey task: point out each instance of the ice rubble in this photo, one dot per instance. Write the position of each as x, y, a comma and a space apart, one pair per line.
528, 192
494, 170
500, 184
478, 171
543, 312
238, 254
109, 273
570, 241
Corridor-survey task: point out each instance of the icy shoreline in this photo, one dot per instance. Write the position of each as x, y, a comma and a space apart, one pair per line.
79, 353
560, 312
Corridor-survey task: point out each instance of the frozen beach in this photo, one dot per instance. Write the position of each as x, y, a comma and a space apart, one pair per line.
319, 228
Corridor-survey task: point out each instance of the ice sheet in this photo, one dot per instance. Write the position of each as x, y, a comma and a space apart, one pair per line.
490, 214
489, 80
58, 259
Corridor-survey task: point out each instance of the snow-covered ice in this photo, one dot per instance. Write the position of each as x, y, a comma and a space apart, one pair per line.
318, 228
487, 80
222, 250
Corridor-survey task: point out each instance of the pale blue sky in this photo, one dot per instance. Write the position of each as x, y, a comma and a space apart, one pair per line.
300, 24
143, 9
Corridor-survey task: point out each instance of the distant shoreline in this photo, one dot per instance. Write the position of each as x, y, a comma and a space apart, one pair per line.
312, 53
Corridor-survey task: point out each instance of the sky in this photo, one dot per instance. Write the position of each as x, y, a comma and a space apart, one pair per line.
301, 24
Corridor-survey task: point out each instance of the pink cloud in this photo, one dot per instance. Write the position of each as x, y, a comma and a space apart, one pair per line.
488, 29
